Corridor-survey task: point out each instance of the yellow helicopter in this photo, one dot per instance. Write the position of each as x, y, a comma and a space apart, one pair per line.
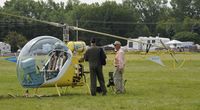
46, 61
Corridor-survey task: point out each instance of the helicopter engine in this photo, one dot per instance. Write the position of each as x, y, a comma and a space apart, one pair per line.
78, 48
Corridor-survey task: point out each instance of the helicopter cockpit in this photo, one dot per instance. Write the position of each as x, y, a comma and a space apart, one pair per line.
41, 60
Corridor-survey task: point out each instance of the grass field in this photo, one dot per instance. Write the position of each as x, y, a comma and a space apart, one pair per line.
149, 87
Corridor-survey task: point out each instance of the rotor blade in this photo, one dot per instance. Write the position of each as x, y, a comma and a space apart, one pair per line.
104, 34
85, 30
120, 37
110, 35
169, 49
32, 19
96, 32
166, 47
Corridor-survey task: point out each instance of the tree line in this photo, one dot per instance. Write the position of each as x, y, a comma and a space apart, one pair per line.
131, 18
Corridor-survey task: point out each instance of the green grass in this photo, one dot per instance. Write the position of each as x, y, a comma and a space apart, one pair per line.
149, 87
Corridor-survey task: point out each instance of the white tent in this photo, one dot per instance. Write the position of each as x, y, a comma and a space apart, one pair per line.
174, 42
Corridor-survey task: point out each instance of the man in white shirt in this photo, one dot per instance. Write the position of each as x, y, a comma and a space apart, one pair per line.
119, 63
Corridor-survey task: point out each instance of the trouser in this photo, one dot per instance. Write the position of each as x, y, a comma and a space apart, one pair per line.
96, 72
118, 80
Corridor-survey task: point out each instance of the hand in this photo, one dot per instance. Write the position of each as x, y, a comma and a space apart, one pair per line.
120, 69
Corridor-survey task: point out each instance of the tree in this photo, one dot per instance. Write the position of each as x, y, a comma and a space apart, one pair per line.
187, 36
191, 25
185, 8
48, 11
16, 40
196, 28
168, 28
132, 18
141, 30
108, 17
151, 11
71, 4
196, 8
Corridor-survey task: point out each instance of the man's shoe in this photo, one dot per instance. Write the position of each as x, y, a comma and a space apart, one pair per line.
93, 94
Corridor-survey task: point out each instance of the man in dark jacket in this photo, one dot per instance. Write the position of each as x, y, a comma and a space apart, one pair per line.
95, 55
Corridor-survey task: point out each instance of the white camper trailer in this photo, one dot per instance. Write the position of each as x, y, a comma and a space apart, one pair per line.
131, 45
5, 48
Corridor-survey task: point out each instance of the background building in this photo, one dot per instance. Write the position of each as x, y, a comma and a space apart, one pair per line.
140, 43
5, 48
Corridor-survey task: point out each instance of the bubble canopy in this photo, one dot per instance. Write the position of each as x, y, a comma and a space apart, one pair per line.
36, 57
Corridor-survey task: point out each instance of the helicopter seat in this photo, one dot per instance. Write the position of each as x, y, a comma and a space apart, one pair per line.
50, 74
31, 77
55, 64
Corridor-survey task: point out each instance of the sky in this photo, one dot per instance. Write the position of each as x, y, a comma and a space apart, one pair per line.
82, 1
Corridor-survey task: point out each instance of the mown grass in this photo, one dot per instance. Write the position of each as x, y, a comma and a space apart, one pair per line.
149, 87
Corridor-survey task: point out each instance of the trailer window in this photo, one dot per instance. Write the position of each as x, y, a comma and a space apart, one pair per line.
130, 44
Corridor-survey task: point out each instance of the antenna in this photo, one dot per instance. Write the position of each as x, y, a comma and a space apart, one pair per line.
76, 30
66, 33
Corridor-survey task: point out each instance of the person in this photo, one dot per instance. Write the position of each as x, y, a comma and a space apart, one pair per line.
119, 63
94, 56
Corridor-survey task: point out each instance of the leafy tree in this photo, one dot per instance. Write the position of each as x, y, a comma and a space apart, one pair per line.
108, 17
71, 4
168, 28
196, 28
183, 8
196, 8
39, 10
151, 11
132, 18
16, 40
142, 30
187, 36
191, 25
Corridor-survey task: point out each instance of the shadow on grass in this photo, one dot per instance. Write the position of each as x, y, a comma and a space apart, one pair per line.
12, 96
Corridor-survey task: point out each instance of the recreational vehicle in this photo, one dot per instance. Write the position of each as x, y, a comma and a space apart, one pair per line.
138, 44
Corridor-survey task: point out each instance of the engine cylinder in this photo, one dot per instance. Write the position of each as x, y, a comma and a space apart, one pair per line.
78, 46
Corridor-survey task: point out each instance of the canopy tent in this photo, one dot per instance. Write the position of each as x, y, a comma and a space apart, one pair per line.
174, 42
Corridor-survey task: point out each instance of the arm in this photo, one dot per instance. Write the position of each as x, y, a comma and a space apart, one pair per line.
102, 57
86, 56
121, 60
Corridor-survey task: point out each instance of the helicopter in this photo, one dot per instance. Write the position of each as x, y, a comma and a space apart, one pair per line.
46, 61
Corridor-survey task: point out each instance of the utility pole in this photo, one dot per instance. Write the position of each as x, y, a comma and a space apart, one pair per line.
66, 33
76, 30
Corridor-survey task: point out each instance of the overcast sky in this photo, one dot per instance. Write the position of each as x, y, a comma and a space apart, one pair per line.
82, 1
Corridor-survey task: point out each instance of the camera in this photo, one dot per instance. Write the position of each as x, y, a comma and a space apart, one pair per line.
110, 80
